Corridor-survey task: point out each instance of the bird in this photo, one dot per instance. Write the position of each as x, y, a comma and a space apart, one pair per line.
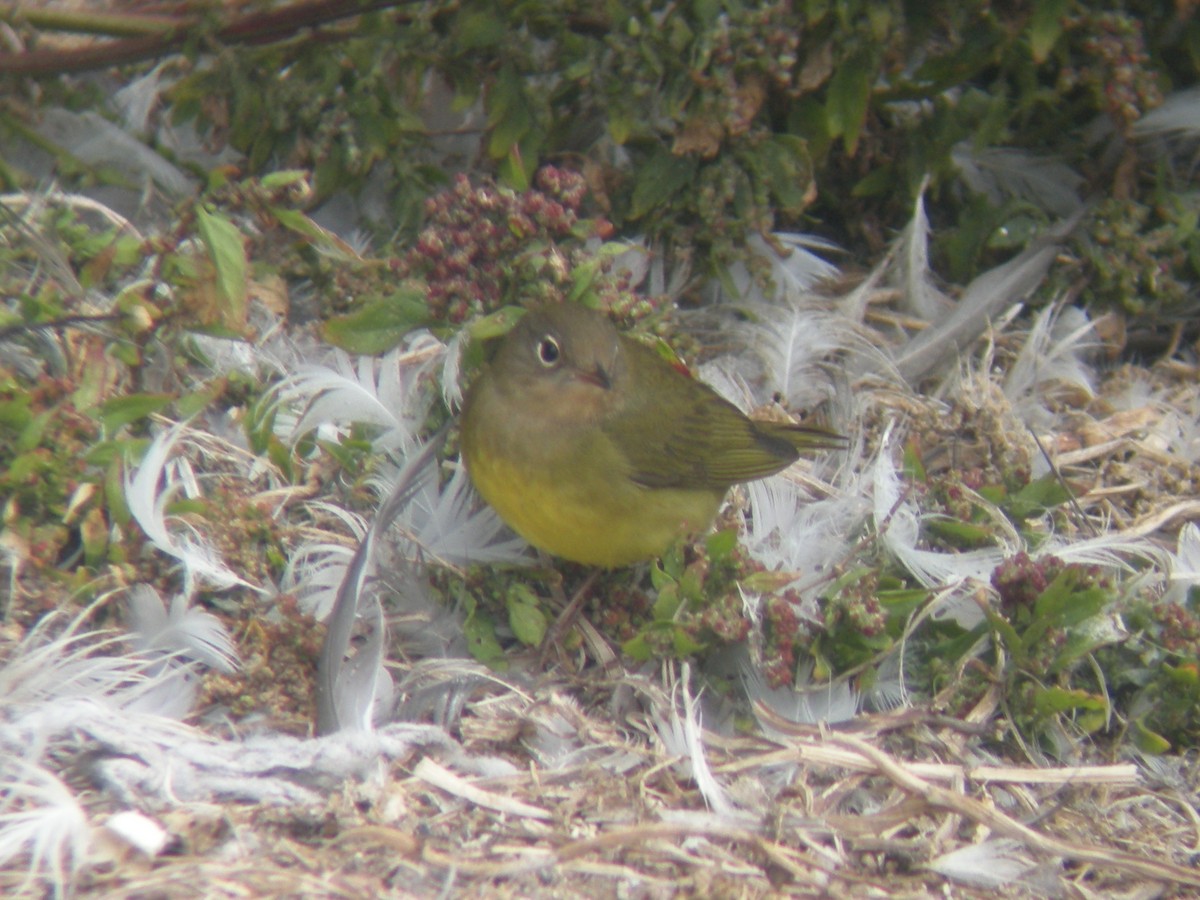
595, 448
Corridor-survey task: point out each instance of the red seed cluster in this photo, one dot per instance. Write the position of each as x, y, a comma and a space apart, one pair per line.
484, 246
1020, 580
1118, 67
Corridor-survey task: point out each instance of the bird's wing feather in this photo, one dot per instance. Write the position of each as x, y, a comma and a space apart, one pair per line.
697, 440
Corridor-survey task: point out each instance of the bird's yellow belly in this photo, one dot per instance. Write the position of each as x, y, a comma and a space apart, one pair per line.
611, 523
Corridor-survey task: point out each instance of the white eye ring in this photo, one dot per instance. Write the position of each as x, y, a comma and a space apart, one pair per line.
548, 352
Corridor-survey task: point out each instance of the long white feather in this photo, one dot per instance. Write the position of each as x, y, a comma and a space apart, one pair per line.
149, 487
919, 293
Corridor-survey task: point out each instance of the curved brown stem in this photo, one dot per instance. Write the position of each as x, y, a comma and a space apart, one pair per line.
168, 34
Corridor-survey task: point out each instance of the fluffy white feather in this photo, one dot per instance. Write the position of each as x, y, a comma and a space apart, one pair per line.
384, 392
149, 487
449, 522
1004, 172
681, 733
794, 338
803, 704
184, 631
41, 820
897, 522
1183, 566
354, 688
994, 863
983, 299
795, 269
789, 531
1053, 355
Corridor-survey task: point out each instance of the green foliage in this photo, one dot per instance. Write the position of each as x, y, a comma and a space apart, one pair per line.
485, 248
697, 604
379, 324
72, 421
701, 123
1058, 648
1050, 618
341, 109
1144, 257
480, 632
525, 616
697, 124
227, 254
1154, 675
968, 508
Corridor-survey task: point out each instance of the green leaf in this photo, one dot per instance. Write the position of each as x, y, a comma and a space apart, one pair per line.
15, 413
952, 649
961, 534
284, 178
637, 648
114, 494
583, 277
1064, 604
1052, 700
494, 325
1037, 497
104, 453
1185, 677
620, 124
1007, 634
518, 165
880, 181
691, 584
480, 632
848, 97
479, 29
190, 404
122, 411
93, 535
914, 466
901, 602
31, 435
683, 645
525, 615
666, 604
659, 579
326, 241
785, 166
380, 325
21, 467
481, 331
1046, 27
227, 251
509, 115
661, 177
672, 560
1149, 741
720, 544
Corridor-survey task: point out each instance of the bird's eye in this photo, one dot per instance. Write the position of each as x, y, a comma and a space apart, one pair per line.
548, 352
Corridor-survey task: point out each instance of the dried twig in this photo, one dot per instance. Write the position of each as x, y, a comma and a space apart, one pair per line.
997, 821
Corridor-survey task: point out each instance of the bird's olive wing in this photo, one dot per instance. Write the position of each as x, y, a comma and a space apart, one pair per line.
698, 441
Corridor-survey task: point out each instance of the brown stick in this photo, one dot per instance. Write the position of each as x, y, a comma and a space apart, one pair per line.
170, 34
997, 821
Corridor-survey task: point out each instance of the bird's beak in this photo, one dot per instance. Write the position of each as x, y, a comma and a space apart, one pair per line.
598, 376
